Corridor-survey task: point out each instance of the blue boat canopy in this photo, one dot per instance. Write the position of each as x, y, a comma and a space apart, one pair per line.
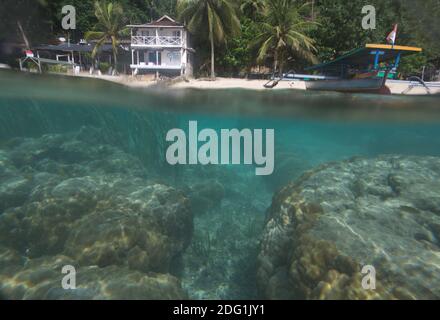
371, 54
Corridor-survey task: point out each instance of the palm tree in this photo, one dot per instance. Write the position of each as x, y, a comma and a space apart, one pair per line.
110, 27
254, 7
282, 32
220, 16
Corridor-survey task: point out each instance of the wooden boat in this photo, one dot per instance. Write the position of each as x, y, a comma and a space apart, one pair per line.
372, 85
363, 70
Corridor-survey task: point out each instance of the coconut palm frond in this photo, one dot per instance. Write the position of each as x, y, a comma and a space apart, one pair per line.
93, 35
109, 27
218, 18
98, 45
284, 32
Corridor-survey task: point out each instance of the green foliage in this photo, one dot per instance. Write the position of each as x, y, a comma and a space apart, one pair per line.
31, 14
238, 56
283, 34
110, 27
215, 20
216, 26
341, 25
56, 68
252, 8
341, 29
104, 67
31, 66
422, 19
413, 65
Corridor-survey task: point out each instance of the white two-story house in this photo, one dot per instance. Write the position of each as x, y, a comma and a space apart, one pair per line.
161, 47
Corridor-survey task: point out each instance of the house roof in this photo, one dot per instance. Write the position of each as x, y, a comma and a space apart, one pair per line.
65, 47
163, 22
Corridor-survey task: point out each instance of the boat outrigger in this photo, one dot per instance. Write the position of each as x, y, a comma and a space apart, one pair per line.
363, 70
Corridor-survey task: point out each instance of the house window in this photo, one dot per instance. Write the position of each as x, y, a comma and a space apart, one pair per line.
176, 34
173, 58
145, 33
152, 57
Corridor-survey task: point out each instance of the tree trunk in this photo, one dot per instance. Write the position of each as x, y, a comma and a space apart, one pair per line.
115, 61
281, 65
212, 57
275, 63
23, 35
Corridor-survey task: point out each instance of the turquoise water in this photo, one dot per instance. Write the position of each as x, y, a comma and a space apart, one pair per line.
84, 182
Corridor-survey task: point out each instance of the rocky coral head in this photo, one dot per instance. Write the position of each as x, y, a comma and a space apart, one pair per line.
91, 206
336, 219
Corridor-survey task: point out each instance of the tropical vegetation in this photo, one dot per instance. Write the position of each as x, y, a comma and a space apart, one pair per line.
233, 36
283, 34
218, 17
109, 28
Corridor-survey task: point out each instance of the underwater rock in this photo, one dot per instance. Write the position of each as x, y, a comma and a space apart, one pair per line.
41, 278
145, 230
72, 154
90, 213
91, 205
13, 192
14, 186
42, 225
336, 219
206, 195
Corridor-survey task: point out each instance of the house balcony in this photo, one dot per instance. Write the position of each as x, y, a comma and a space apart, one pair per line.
156, 41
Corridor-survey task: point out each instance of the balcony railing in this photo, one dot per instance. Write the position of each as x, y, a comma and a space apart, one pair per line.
156, 41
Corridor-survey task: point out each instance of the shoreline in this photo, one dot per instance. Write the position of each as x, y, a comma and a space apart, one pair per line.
193, 83
396, 87
237, 83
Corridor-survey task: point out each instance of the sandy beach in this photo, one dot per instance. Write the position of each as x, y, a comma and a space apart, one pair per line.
396, 87
218, 83
233, 83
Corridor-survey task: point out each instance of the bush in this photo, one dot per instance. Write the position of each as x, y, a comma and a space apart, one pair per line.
104, 67
413, 65
56, 68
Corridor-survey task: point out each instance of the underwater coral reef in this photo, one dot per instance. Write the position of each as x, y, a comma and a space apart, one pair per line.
73, 199
67, 201
341, 216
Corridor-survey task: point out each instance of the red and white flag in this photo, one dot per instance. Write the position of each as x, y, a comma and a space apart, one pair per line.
392, 36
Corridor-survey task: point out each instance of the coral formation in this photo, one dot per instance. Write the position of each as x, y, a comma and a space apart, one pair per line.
92, 206
342, 216
40, 278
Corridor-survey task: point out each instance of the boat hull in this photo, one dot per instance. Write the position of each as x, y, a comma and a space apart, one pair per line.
371, 85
